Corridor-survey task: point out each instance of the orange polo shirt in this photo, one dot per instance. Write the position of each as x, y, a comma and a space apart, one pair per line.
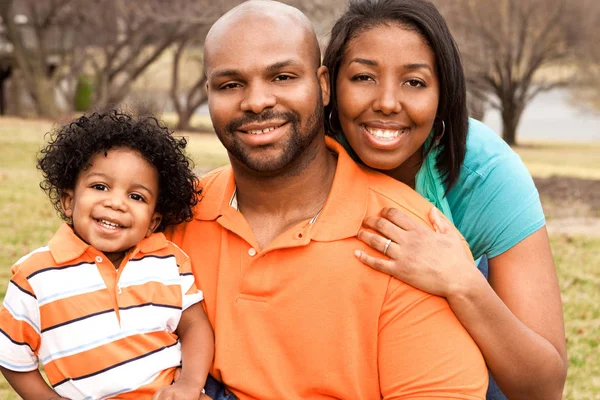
304, 319
98, 331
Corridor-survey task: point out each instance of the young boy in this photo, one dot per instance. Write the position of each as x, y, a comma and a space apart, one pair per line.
109, 307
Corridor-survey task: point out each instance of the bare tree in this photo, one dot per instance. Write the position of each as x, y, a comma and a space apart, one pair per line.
32, 27
515, 49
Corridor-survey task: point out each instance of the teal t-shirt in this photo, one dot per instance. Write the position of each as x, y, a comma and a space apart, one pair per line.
494, 203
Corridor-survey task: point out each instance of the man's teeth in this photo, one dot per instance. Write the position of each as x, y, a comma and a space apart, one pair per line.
385, 133
261, 131
108, 224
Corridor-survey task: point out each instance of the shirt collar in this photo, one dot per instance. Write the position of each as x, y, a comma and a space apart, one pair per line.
66, 246
340, 218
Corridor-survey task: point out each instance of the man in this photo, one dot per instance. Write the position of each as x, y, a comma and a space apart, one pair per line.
295, 314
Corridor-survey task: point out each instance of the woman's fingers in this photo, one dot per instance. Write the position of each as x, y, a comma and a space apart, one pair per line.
377, 242
385, 266
440, 224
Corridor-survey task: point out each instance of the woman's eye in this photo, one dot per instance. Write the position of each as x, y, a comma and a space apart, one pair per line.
415, 83
361, 77
99, 186
136, 197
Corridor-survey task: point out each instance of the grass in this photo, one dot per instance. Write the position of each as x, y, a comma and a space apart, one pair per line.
27, 221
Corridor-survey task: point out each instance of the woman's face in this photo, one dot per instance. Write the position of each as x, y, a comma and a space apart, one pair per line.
387, 93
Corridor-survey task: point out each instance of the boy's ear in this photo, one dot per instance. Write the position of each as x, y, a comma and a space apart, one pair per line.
154, 223
66, 201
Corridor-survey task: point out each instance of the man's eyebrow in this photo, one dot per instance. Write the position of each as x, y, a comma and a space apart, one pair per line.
225, 73
283, 64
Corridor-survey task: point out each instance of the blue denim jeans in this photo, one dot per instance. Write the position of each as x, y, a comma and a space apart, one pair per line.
216, 390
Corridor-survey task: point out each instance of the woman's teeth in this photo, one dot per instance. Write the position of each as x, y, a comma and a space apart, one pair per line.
261, 131
385, 134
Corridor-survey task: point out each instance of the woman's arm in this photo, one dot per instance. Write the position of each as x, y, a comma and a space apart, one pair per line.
30, 385
516, 322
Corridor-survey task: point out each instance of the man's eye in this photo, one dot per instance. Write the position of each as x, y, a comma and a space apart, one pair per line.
136, 197
99, 186
229, 86
283, 78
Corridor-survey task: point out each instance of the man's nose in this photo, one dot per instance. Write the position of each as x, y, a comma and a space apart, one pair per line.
257, 98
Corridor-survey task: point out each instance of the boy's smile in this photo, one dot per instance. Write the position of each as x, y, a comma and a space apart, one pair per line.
113, 204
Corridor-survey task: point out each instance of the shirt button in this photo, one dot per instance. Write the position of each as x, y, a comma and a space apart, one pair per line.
98, 259
251, 252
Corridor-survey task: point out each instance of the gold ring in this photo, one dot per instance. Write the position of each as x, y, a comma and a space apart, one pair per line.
387, 245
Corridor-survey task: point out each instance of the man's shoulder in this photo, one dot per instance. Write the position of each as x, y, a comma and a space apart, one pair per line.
210, 178
385, 191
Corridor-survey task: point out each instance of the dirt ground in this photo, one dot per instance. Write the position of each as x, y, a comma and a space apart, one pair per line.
572, 205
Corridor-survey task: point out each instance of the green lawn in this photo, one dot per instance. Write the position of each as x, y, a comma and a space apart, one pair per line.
27, 221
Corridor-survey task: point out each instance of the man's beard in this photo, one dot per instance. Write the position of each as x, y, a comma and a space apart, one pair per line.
295, 145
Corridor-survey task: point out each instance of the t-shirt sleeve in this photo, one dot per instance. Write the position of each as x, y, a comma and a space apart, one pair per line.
19, 326
424, 351
495, 202
190, 293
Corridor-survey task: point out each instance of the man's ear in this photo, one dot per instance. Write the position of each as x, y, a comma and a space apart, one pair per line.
154, 223
66, 202
323, 76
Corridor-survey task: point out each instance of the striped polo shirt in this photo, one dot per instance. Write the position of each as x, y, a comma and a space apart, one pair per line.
98, 331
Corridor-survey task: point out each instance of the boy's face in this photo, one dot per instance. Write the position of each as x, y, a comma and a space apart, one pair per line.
113, 203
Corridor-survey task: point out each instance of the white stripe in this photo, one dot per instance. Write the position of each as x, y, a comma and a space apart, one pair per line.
56, 284
191, 299
22, 306
16, 357
150, 269
124, 378
25, 257
101, 329
186, 283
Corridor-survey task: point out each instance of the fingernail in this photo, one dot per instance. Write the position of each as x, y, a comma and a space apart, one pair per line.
357, 253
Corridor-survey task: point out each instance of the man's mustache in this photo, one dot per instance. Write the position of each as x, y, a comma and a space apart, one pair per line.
264, 116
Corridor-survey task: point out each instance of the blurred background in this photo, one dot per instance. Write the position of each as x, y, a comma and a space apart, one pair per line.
533, 70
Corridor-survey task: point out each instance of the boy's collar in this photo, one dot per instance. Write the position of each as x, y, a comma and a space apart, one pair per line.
66, 246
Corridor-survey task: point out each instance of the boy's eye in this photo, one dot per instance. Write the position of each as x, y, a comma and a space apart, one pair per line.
99, 186
136, 197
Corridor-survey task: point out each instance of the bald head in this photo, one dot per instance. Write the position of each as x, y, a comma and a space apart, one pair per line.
243, 20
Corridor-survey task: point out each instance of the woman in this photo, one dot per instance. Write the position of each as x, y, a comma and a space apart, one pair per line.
399, 106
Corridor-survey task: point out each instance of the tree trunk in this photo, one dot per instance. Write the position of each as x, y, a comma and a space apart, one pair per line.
511, 116
45, 98
184, 119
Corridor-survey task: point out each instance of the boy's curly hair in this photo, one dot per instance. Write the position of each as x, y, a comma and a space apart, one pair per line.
70, 148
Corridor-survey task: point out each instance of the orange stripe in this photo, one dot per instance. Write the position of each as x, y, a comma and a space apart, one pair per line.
99, 358
163, 379
70, 308
151, 292
19, 331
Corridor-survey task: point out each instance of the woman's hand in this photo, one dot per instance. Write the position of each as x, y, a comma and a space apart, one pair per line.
436, 262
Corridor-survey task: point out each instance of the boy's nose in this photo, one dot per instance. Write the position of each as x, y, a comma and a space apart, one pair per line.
116, 202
